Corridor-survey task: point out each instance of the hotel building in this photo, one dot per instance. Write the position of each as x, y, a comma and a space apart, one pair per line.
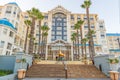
113, 40
12, 13
61, 23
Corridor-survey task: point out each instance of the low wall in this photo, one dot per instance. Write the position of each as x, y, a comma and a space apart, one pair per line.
18, 65
102, 63
13, 62
7, 62
8, 77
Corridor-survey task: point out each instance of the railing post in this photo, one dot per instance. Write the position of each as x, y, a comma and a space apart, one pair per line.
65, 67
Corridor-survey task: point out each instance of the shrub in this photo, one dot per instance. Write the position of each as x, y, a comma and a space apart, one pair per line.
5, 72
113, 61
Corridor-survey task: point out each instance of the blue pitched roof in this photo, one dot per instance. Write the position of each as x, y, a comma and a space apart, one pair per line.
13, 3
113, 34
5, 22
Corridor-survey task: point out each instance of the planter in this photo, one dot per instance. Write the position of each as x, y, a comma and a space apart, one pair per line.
21, 73
114, 75
114, 67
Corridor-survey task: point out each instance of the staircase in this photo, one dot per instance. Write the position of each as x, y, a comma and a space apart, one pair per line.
58, 71
46, 71
84, 71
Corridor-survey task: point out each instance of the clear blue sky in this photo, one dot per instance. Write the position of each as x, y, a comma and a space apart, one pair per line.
108, 10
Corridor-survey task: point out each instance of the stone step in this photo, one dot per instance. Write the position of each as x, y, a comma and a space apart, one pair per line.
58, 71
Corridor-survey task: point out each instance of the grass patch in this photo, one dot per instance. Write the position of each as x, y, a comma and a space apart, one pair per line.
5, 72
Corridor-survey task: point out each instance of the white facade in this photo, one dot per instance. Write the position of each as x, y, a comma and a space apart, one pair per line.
13, 14
7, 36
101, 34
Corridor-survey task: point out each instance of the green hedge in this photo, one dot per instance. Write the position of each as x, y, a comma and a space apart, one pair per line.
5, 72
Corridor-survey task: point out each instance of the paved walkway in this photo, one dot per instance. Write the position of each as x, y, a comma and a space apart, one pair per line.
61, 79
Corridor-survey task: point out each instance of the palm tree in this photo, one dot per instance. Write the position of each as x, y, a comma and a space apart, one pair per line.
32, 13
77, 27
35, 47
80, 22
28, 23
39, 17
44, 34
84, 41
91, 33
86, 5
73, 39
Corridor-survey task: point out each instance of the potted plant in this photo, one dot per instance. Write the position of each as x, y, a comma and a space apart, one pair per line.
113, 64
114, 67
22, 70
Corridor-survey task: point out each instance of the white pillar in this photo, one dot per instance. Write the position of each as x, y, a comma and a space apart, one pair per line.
46, 54
72, 52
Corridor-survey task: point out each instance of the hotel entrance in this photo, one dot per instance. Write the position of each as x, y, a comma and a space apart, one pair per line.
59, 49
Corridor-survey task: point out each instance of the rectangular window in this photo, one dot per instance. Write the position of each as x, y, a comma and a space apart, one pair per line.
59, 28
72, 17
11, 34
15, 9
64, 20
64, 24
53, 32
5, 31
101, 27
7, 53
9, 46
2, 44
65, 37
8, 9
85, 26
102, 35
65, 33
58, 37
53, 28
92, 26
78, 18
85, 17
46, 17
53, 37
59, 33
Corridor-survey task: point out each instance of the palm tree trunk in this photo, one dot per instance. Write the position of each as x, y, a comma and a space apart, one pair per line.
85, 51
81, 41
42, 45
78, 42
76, 48
39, 48
25, 45
73, 47
31, 42
35, 48
91, 43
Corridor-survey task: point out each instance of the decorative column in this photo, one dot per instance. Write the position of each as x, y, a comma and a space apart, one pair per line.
46, 54
72, 52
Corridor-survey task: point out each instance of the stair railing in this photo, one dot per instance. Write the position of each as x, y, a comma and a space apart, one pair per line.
65, 68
